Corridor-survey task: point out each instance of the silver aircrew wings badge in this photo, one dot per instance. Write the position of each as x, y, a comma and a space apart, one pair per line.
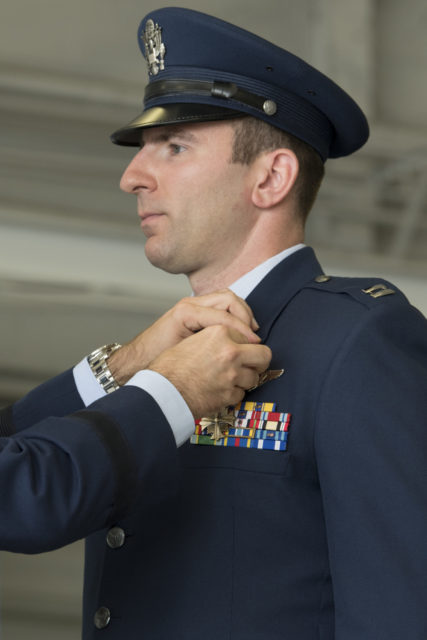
266, 376
155, 50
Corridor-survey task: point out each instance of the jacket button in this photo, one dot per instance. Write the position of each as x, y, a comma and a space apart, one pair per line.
102, 618
115, 538
322, 278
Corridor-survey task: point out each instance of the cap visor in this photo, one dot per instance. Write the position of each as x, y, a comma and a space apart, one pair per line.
170, 114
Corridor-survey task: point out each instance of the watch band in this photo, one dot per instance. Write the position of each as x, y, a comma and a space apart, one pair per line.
98, 362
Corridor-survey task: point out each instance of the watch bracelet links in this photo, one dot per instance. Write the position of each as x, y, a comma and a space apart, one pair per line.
98, 362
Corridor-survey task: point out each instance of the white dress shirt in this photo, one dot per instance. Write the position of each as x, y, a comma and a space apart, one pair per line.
168, 398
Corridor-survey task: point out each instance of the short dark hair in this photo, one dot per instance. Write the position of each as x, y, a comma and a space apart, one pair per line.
253, 136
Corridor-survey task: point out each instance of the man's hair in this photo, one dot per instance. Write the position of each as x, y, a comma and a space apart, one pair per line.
253, 136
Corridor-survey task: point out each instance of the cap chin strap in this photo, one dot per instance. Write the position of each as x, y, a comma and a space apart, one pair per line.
215, 89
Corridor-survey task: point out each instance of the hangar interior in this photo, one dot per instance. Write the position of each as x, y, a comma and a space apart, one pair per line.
72, 270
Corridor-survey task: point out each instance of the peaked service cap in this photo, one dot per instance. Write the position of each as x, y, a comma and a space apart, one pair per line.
203, 69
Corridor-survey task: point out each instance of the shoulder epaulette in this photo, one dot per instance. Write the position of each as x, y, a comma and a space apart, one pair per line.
367, 291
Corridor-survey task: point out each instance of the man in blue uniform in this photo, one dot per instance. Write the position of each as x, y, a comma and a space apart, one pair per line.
300, 513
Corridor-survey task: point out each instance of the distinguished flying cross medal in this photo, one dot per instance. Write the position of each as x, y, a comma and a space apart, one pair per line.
252, 425
154, 48
218, 424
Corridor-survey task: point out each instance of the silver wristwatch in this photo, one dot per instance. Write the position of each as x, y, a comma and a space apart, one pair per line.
98, 362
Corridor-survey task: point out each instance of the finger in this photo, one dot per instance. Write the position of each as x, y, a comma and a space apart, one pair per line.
257, 356
228, 301
247, 378
202, 317
236, 395
237, 336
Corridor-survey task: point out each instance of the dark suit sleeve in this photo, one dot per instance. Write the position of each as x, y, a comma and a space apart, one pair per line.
63, 478
371, 445
55, 397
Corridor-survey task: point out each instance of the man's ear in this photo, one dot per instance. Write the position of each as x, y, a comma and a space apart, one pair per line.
276, 174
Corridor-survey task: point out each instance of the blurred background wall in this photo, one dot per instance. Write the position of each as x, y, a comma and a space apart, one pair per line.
72, 270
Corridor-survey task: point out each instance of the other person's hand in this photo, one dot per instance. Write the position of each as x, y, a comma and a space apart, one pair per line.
213, 368
189, 316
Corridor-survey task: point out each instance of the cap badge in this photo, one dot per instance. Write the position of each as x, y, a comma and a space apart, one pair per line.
154, 48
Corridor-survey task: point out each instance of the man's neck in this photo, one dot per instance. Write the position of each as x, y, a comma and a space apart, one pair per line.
241, 273
268, 238
206, 281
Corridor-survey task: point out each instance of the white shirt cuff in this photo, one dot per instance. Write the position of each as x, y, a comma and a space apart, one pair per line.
86, 383
170, 401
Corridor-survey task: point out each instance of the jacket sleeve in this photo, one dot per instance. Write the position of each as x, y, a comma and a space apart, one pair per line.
55, 397
66, 476
371, 446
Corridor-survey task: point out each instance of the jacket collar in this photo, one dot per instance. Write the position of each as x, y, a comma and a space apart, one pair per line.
280, 285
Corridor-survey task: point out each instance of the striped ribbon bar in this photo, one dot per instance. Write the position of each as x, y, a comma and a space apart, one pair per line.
246, 443
237, 432
255, 406
257, 433
273, 421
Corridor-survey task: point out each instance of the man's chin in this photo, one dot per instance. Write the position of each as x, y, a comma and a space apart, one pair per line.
164, 262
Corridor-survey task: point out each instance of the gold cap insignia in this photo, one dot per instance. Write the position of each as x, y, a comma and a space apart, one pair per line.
154, 48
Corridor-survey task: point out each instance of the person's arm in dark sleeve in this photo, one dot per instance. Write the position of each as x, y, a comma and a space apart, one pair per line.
55, 397
371, 446
63, 478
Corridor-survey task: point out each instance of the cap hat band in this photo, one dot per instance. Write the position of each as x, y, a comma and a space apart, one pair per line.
215, 89
282, 108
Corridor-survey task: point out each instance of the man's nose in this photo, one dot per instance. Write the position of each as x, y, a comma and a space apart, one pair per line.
138, 174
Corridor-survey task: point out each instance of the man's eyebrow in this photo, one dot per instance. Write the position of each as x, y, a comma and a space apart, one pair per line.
164, 135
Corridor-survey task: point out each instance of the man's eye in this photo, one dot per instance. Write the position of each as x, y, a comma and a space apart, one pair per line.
176, 148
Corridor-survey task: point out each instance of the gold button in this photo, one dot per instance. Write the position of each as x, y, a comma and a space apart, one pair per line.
322, 278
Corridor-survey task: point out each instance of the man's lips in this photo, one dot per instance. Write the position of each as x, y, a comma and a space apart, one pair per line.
149, 217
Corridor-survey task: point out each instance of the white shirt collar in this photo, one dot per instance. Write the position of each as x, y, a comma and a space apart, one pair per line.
247, 283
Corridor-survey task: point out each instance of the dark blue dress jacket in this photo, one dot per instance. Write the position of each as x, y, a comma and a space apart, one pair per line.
324, 541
